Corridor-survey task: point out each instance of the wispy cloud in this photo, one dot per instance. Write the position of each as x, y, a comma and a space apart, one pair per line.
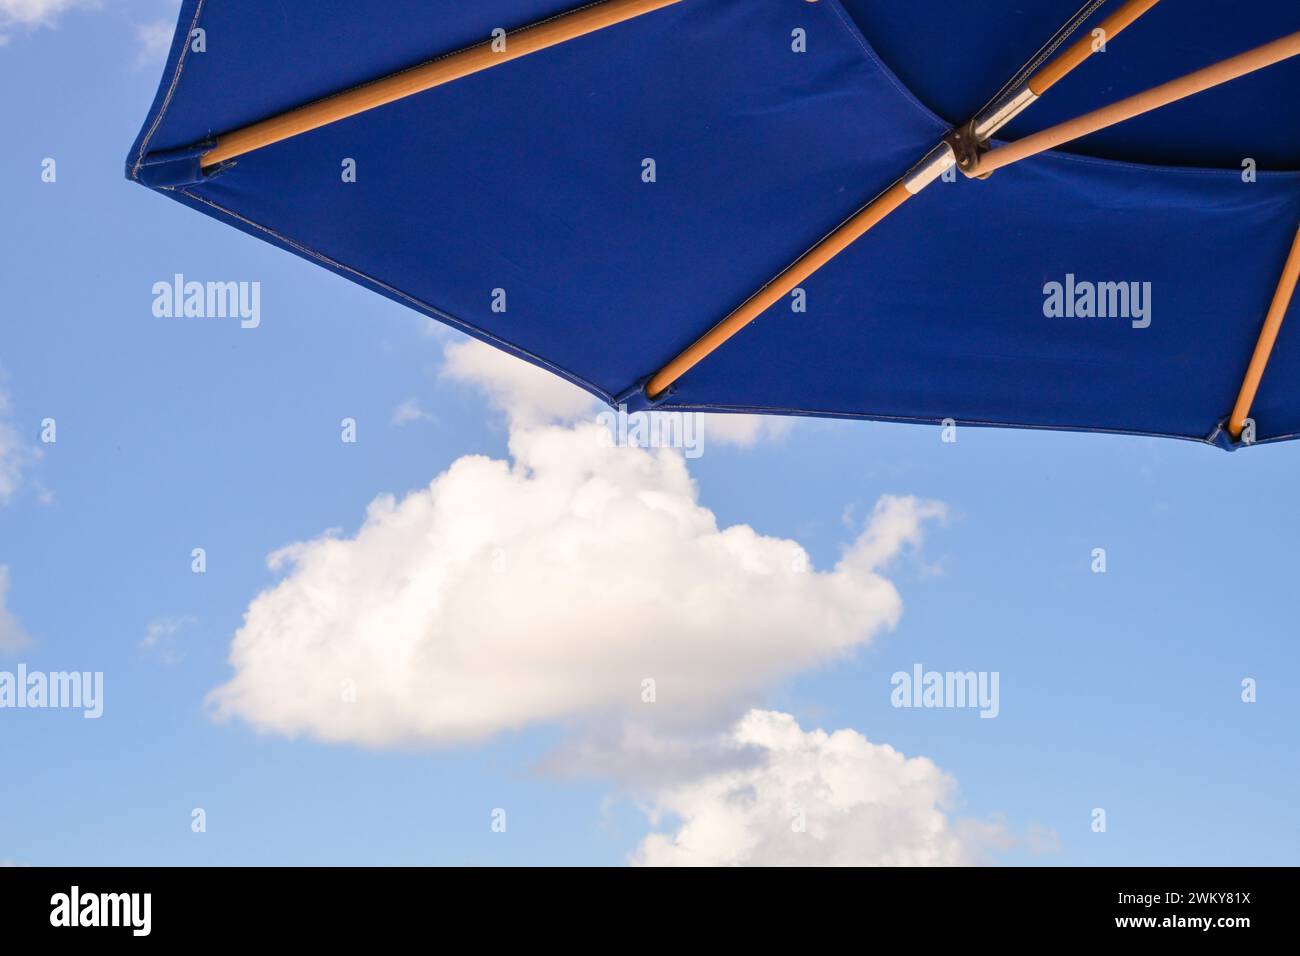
31, 14
155, 40
160, 637
410, 411
12, 637
15, 453
745, 431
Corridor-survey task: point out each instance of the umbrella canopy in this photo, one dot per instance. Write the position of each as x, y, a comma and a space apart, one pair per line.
595, 189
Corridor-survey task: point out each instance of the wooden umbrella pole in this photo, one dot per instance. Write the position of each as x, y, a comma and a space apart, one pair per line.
388, 89
1211, 76
1267, 338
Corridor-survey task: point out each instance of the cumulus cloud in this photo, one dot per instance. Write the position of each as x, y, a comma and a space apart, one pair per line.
573, 584
12, 637
812, 798
550, 587
543, 589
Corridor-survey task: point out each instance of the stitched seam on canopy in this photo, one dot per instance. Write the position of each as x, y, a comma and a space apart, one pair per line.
176, 81
854, 33
1146, 168
1068, 29
904, 419
406, 297
448, 55
851, 26
1048, 50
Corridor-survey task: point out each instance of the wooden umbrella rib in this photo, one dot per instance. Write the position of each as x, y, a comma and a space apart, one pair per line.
876, 211
1207, 78
855, 228
397, 86
1074, 55
1267, 339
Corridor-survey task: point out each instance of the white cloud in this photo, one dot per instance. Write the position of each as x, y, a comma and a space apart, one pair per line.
155, 40
547, 589
12, 637
410, 411
809, 798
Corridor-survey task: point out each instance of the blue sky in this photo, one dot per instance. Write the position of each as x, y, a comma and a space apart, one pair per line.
1119, 690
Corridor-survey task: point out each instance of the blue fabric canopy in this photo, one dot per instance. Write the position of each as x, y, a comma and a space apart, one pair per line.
528, 178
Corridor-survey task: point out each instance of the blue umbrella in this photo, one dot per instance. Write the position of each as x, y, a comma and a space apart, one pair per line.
1021, 214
